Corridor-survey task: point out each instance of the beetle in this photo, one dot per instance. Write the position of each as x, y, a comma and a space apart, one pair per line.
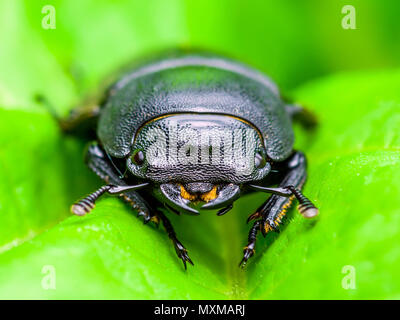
193, 127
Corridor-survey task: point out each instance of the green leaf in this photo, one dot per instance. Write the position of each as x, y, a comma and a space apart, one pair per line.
354, 163
38, 173
353, 156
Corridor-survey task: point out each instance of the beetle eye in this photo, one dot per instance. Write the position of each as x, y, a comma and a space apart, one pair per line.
259, 161
138, 157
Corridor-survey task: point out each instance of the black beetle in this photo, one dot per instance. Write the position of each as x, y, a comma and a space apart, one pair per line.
194, 127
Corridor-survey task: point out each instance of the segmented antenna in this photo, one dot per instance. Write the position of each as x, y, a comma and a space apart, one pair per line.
306, 207
85, 205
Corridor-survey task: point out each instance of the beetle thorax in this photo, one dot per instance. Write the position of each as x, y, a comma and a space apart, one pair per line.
198, 148
195, 158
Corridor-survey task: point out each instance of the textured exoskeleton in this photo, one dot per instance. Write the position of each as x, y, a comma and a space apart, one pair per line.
193, 127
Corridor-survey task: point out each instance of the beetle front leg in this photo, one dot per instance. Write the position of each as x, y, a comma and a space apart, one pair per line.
79, 122
302, 115
179, 248
249, 250
98, 162
269, 215
273, 210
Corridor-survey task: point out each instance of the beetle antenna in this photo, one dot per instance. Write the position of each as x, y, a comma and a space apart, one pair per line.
87, 204
122, 176
115, 167
306, 207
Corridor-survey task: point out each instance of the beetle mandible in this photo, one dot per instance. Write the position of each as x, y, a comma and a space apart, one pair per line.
189, 128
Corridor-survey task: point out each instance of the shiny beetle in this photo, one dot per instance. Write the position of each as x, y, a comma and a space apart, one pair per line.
190, 128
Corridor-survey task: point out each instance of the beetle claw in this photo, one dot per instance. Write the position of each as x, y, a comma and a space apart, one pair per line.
253, 216
147, 216
248, 252
146, 219
182, 253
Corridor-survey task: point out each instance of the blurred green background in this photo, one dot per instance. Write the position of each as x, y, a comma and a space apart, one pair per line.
349, 78
292, 41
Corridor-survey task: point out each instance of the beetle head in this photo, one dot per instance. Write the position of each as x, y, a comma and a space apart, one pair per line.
198, 157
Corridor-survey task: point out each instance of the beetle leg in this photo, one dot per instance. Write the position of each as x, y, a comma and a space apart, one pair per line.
99, 163
274, 209
269, 215
80, 121
179, 248
276, 206
301, 114
249, 250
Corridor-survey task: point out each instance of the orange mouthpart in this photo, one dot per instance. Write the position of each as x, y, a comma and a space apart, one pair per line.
206, 197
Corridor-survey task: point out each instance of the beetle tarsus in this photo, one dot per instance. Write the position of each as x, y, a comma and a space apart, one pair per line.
270, 214
182, 253
254, 216
249, 250
179, 248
